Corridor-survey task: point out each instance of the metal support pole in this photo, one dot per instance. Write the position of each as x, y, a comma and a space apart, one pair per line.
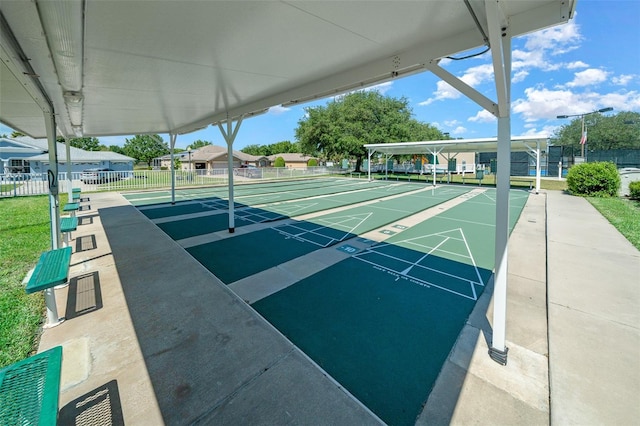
369, 165
537, 167
498, 350
69, 178
230, 136
172, 144
434, 167
52, 176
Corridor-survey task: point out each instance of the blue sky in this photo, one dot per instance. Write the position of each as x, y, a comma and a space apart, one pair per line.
590, 63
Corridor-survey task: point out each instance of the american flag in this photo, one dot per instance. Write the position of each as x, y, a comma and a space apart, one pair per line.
583, 139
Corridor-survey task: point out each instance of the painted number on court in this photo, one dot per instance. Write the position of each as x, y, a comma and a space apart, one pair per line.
399, 226
387, 232
347, 249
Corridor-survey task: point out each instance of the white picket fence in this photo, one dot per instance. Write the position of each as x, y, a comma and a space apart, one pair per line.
24, 184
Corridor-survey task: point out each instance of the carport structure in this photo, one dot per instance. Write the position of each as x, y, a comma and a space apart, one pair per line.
533, 145
100, 68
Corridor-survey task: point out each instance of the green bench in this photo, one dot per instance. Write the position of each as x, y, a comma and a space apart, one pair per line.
51, 270
68, 225
29, 390
71, 208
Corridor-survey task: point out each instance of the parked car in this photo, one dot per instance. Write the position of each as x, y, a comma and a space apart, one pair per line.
99, 175
247, 170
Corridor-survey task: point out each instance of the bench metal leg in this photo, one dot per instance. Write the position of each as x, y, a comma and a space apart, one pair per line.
52, 310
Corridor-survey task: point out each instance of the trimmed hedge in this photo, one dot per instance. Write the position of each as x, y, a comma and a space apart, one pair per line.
634, 190
279, 162
599, 179
312, 162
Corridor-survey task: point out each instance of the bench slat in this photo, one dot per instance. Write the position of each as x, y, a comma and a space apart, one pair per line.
71, 207
68, 224
29, 389
52, 270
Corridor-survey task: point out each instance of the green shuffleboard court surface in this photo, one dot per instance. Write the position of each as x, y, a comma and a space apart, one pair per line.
383, 321
218, 220
270, 247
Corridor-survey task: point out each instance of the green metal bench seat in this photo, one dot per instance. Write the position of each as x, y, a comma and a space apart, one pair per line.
52, 270
68, 225
29, 390
71, 208
76, 190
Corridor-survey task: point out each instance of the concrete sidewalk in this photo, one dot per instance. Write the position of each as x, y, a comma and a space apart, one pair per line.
153, 337
594, 317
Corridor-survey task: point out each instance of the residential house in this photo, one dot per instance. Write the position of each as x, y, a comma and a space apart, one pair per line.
28, 155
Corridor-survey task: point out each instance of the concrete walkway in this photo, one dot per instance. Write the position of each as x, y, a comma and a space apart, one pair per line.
152, 337
594, 317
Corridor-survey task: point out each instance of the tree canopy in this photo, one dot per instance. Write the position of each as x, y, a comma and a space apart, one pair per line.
281, 147
88, 144
198, 144
342, 127
144, 148
618, 131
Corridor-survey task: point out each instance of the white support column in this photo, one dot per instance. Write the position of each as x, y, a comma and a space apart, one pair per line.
369, 165
69, 178
52, 177
537, 167
500, 41
230, 136
433, 170
172, 145
498, 350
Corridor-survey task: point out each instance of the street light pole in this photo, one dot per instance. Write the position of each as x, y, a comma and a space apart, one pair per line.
583, 135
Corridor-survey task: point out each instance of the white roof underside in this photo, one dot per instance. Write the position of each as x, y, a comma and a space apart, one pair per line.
177, 66
454, 146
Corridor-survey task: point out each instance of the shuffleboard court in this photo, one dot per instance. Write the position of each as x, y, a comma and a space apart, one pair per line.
270, 247
383, 321
190, 227
256, 197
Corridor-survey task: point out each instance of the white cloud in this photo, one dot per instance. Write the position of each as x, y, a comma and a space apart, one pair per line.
519, 76
451, 123
382, 87
576, 64
557, 40
546, 131
278, 109
459, 131
588, 77
623, 80
483, 116
542, 103
443, 91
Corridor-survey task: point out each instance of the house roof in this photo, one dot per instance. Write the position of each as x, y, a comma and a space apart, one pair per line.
122, 68
40, 148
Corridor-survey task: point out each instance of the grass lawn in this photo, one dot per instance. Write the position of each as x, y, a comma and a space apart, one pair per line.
24, 235
624, 214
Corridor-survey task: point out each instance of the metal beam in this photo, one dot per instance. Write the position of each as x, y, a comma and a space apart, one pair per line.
500, 52
230, 136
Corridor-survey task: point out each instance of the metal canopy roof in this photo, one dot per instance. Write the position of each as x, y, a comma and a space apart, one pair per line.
108, 67
454, 146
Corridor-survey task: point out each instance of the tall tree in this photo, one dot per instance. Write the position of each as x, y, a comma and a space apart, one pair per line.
618, 131
88, 144
345, 125
144, 148
198, 144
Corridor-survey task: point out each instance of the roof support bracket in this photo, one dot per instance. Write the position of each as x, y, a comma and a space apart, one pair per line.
463, 87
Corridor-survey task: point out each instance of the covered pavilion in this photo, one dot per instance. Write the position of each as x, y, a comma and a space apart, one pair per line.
99, 68
533, 145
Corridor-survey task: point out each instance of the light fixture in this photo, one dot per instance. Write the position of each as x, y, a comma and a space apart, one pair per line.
73, 97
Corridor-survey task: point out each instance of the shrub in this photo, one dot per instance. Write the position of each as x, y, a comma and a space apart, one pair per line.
600, 179
279, 162
634, 190
312, 162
